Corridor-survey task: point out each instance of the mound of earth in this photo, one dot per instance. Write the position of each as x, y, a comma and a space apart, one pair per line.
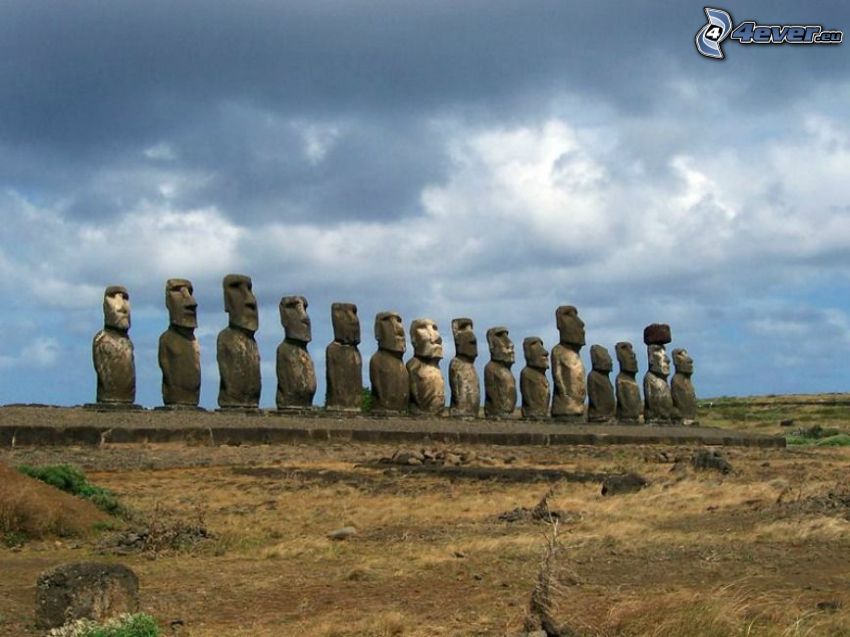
31, 509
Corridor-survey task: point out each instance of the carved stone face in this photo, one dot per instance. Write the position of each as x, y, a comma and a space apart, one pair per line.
659, 362
684, 363
535, 353
240, 302
426, 339
501, 347
293, 317
116, 307
600, 359
466, 344
626, 357
346, 324
389, 332
570, 326
182, 307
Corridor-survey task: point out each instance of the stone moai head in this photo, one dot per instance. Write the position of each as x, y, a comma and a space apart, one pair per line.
535, 353
659, 362
600, 359
116, 307
182, 307
293, 317
570, 326
626, 357
684, 363
240, 302
346, 324
389, 332
466, 345
501, 347
426, 339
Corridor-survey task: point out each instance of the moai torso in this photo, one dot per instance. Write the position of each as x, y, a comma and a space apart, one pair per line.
534, 387
344, 376
114, 363
343, 363
533, 384
568, 375
600, 393
568, 378
236, 349
465, 387
463, 377
239, 368
387, 372
180, 361
499, 390
629, 403
658, 401
427, 387
682, 388
296, 376
112, 350
179, 350
390, 382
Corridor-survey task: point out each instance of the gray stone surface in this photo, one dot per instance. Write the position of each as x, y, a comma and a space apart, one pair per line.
568, 376
85, 590
533, 384
629, 402
499, 381
343, 362
682, 387
237, 353
427, 387
296, 374
112, 350
658, 401
387, 372
179, 351
463, 377
601, 406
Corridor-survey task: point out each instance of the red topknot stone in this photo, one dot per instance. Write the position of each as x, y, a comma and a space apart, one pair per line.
656, 334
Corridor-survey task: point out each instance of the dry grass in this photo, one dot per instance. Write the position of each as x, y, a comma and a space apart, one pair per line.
32, 509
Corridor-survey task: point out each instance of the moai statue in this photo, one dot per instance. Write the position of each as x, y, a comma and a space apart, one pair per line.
533, 384
463, 377
567, 368
112, 350
236, 350
387, 373
499, 382
427, 387
179, 352
629, 403
684, 395
343, 363
296, 376
600, 392
658, 401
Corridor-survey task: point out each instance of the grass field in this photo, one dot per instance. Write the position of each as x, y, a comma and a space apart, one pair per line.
237, 537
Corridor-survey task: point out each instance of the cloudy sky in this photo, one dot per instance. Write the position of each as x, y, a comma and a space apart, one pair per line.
446, 158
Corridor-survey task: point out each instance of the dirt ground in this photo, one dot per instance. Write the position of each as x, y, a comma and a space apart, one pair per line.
761, 550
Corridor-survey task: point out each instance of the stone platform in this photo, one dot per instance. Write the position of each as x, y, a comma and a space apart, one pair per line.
25, 425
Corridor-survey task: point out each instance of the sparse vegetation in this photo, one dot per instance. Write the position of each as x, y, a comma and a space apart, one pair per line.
129, 625
366, 400
71, 480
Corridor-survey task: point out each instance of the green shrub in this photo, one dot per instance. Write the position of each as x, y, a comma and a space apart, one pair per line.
366, 400
74, 481
135, 625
